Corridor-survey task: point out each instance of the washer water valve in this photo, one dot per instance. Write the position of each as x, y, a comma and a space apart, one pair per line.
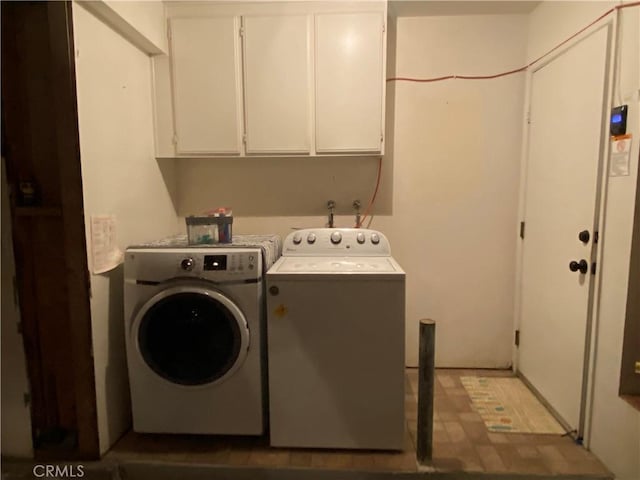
356, 207
331, 205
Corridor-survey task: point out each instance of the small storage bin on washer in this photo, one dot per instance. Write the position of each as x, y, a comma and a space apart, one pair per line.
209, 230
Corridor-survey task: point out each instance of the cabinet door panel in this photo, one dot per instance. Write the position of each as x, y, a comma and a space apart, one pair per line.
205, 85
276, 82
349, 82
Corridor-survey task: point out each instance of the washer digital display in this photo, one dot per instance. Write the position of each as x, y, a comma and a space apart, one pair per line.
215, 262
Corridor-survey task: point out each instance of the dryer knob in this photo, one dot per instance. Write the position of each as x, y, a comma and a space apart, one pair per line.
360, 237
297, 238
187, 264
311, 238
336, 238
375, 238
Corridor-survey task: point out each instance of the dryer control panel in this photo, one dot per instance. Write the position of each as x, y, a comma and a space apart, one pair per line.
332, 242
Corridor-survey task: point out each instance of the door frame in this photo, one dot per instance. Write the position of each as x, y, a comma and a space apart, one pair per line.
64, 209
611, 23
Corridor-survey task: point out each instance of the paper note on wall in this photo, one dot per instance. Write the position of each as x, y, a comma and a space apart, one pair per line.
104, 248
620, 156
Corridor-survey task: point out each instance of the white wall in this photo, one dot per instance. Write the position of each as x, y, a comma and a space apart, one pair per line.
141, 22
120, 177
455, 161
615, 429
147, 17
16, 416
614, 432
448, 197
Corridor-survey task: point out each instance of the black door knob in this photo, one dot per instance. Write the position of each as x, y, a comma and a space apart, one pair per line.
584, 236
582, 266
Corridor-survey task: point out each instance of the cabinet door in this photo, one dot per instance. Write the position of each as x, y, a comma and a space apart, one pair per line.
206, 95
349, 82
276, 82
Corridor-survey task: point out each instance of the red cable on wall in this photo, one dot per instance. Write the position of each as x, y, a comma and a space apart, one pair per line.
517, 70
485, 77
373, 197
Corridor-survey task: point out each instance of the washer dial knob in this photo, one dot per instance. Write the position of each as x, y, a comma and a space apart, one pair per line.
336, 238
360, 237
375, 238
311, 238
297, 238
187, 264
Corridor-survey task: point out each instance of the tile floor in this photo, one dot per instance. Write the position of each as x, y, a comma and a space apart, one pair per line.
461, 442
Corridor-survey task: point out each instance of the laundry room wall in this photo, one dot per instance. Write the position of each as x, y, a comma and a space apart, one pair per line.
146, 17
140, 22
121, 177
613, 430
456, 148
449, 189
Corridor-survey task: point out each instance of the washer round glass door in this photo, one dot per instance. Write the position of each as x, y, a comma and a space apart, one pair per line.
191, 335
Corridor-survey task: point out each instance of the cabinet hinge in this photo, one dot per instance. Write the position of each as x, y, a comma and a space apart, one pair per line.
242, 31
521, 229
384, 27
529, 117
517, 338
381, 138
244, 138
174, 140
593, 268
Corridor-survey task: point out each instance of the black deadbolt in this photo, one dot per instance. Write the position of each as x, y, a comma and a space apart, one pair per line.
581, 266
584, 236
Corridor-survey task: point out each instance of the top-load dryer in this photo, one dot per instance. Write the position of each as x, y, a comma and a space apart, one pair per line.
336, 336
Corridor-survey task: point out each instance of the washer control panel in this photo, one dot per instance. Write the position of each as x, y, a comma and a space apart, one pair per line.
336, 241
226, 262
210, 264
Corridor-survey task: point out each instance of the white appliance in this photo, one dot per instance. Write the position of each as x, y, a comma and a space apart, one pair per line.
194, 337
336, 335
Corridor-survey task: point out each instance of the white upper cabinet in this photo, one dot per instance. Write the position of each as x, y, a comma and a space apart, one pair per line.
271, 78
277, 84
349, 72
206, 93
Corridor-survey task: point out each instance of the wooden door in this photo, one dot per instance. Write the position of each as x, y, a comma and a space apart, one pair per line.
566, 134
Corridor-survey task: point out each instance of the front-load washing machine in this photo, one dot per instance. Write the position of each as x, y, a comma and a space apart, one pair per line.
194, 339
336, 333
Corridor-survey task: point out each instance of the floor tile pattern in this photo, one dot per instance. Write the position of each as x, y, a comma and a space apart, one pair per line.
461, 442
